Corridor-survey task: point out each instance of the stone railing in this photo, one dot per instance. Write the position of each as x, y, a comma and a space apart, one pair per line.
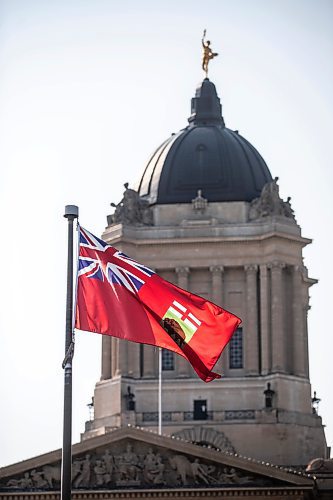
146, 418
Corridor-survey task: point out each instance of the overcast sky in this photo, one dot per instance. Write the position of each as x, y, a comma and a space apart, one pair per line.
88, 90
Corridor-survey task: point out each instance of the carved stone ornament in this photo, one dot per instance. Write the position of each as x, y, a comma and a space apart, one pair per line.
199, 203
206, 435
132, 210
133, 465
269, 203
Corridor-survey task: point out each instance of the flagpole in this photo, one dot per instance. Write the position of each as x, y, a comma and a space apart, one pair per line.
71, 213
160, 391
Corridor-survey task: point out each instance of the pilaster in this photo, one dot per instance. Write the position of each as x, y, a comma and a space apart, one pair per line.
133, 353
106, 357
217, 284
149, 361
278, 331
182, 365
251, 332
299, 333
266, 348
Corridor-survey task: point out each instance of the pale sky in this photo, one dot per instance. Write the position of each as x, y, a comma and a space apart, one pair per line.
88, 90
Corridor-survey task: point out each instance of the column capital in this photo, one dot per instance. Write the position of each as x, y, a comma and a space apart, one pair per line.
251, 268
216, 269
298, 268
276, 265
183, 270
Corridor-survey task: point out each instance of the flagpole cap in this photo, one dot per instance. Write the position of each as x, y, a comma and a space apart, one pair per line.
71, 212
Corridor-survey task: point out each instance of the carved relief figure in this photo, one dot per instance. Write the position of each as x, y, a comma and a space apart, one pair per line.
24, 483
199, 473
102, 477
160, 467
52, 473
128, 465
108, 461
234, 477
83, 475
182, 465
38, 479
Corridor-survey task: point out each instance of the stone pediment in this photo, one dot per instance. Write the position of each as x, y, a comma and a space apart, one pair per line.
130, 458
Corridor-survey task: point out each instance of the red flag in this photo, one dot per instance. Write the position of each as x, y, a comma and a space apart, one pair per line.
117, 296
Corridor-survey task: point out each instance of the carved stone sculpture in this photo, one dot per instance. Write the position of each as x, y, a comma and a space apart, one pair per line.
231, 475
182, 465
102, 477
128, 470
132, 210
139, 468
51, 474
38, 479
24, 483
82, 479
108, 462
269, 203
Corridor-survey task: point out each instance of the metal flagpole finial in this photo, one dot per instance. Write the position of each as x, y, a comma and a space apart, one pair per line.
71, 211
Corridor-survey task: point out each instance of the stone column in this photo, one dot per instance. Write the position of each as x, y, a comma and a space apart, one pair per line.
306, 337
278, 331
133, 359
217, 298
217, 284
114, 356
182, 277
182, 365
251, 341
299, 332
106, 357
118, 357
149, 355
266, 350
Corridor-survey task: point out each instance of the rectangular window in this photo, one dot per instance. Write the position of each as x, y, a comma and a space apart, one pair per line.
236, 349
167, 360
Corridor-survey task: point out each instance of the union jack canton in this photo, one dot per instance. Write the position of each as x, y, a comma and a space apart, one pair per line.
98, 260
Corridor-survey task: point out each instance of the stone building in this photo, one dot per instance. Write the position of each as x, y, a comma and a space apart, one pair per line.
206, 215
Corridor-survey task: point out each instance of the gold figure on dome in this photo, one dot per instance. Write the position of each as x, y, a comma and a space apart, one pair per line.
207, 54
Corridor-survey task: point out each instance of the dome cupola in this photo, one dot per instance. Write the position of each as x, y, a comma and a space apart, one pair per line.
205, 155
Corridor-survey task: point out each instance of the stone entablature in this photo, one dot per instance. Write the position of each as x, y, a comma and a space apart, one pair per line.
197, 230
134, 210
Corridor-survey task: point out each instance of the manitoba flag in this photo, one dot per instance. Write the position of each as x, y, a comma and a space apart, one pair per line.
117, 296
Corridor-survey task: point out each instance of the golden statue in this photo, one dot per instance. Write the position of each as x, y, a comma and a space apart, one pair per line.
208, 54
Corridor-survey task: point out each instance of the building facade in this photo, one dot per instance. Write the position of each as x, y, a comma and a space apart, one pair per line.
207, 215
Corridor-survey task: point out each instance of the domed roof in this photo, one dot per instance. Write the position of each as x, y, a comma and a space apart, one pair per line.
205, 155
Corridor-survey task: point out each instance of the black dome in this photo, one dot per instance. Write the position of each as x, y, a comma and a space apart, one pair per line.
205, 155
